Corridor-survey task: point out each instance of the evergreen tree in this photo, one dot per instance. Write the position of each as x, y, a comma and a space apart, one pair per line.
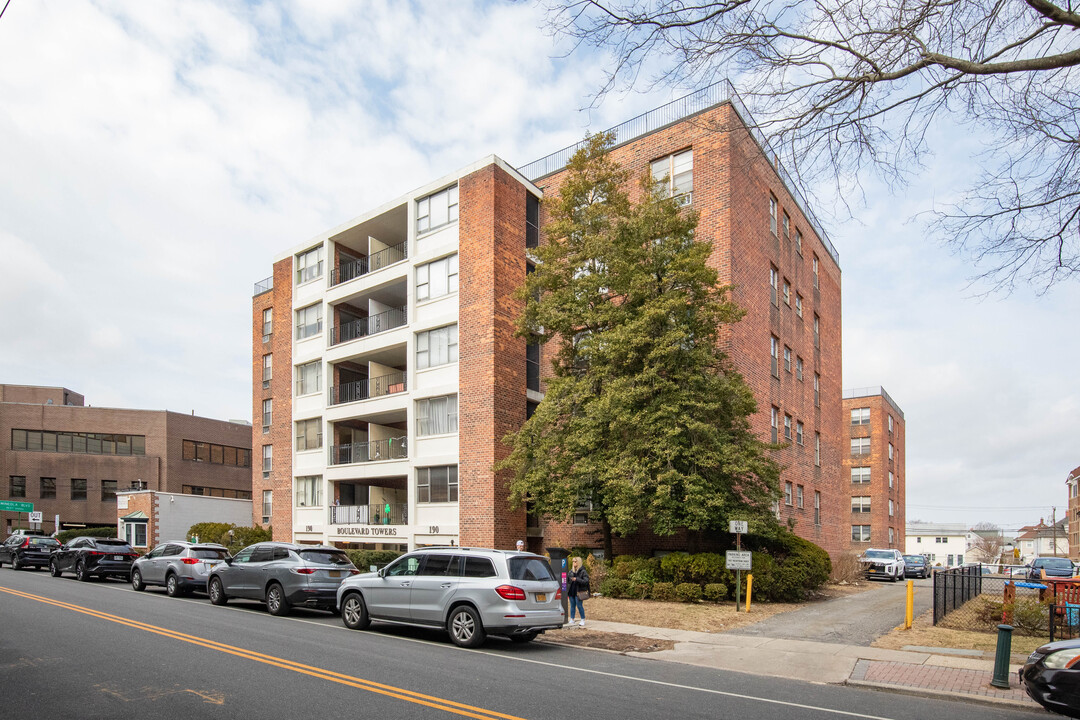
645, 416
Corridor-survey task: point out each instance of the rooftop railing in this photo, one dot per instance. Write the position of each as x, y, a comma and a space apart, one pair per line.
872, 391
264, 285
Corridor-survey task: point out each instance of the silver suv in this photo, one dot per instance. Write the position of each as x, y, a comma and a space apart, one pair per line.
282, 575
180, 566
469, 592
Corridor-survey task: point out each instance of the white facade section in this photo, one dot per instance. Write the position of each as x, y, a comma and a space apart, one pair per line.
945, 543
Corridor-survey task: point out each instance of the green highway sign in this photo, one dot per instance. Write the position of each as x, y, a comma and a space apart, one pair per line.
12, 506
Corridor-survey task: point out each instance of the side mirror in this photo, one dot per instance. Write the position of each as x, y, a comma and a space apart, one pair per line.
228, 561
382, 572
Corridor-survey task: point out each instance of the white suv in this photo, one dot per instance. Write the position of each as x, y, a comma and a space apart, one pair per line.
887, 564
469, 592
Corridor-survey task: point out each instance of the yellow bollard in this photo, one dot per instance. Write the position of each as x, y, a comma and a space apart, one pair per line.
909, 616
749, 584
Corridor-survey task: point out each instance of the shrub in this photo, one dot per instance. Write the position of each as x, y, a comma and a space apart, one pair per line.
706, 568
787, 567
847, 568
688, 592
613, 587
65, 536
675, 568
1029, 616
627, 565
663, 591
715, 592
598, 570
241, 536
364, 559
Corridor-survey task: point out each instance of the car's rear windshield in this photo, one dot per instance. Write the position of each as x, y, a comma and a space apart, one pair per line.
209, 553
114, 545
325, 557
530, 568
878, 555
1054, 563
49, 542
917, 559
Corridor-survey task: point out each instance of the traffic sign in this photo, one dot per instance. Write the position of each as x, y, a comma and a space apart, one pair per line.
14, 506
739, 560
737, 526
35, 516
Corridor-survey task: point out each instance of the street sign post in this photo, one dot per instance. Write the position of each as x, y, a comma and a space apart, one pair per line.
737, 526
35, 516
738, 559
14, 506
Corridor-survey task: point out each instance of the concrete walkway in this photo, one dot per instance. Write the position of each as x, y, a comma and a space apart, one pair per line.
918, 673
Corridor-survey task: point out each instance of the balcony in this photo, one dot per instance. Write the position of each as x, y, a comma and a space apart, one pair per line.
370, 514
368, 388
371, 325
372, 451
370, 263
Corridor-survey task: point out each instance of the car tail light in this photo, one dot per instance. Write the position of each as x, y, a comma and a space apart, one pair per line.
558, 594
354, 571
26, 543
190, 561
96, 552
304, 571
509, 592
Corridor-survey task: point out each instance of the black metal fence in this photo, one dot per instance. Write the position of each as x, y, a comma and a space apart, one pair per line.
979, 597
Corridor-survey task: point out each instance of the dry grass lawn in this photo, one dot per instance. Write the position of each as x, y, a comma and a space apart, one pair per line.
924, 634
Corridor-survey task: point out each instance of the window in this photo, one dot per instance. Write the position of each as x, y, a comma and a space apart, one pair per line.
581, 512
817, 331
860, 504
268, 324
309, 265
798, 368
787, 427
890, 508
799, 432
48, 488
268, 460
437, 347
959, 559
775, 423
918, 539
787, 493
890, 423
18, 486
78, 489
814, 265
890, 479
798, 241
267, 504
798, 304
478, 567
437, 278
309, 491
436, 210
268, 413
817, 507
772, 213
309, 434
268, 370
217, 454
860, 533
787, 226
787, 359
675, 175
860, 475
950, 560
774, 281
799, 496
108, 490
774, 352
890, 451
860, 446
215, 492
73, 442
817, 390
309, 378
532, 221
309, 321
437, 415
532, 366
787, 292
817, 449
892, 535
860, 416
437, 484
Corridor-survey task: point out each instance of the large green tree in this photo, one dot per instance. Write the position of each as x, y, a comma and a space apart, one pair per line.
644, 416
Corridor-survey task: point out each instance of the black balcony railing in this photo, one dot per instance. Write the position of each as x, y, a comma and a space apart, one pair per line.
388, 449
371, 263
370, 514
368, 388
370, 325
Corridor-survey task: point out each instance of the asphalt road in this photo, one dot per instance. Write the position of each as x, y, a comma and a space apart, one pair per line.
857, 619
100, 650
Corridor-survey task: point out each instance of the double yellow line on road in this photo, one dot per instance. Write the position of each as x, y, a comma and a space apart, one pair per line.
348, 680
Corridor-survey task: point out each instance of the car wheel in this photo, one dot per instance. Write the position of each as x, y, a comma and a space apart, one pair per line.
15, 563
527, 637
354, 612
466, 630
275, 600
80, 572
54, 569
137, 583
172, 586
217, 592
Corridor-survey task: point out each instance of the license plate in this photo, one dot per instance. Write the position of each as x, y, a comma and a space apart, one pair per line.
118, 557
873, 570
335, 573
541, 597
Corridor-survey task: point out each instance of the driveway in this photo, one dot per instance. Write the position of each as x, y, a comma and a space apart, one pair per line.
856, 619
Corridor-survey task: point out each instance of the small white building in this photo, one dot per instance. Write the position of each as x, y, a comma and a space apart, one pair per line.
944, 543
1044, 540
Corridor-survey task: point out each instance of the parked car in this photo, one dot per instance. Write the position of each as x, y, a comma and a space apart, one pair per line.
24, 551
469, 592
916, 566
282, 575
180, 566
1051, 676
93, 556
887, 564
1054, 567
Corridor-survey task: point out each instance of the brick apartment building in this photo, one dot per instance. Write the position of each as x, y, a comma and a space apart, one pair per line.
70, 460
385, 370
875, 464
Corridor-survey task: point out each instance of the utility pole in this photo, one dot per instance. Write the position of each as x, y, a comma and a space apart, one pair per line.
1053, 524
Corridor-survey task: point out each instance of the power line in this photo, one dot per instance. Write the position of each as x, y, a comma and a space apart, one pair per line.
5, 8
980, 507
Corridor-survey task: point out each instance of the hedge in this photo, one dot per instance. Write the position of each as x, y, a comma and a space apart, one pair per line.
65, 536
364, 559
241, 537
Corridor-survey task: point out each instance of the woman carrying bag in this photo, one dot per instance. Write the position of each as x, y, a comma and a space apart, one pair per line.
577, 589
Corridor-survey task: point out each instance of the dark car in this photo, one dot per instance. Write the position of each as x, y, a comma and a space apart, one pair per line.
916, 566
24, 551
1051, 676
93, 557
1054, 567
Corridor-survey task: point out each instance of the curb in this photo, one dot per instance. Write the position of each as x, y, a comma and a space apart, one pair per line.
945, 695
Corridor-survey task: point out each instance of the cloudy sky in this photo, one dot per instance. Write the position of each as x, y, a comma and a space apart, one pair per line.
155, 156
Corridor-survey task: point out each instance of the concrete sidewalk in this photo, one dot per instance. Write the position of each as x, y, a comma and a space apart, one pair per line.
918, 673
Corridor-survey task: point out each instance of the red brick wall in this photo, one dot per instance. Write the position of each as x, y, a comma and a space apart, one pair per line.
147, 503
878, 461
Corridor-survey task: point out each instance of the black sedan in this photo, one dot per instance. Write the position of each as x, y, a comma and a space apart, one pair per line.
1052, 566
24, 551
1051, 676
93, 556
916, 566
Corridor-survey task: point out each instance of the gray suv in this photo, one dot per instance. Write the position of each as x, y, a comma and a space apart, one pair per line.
180, 566
282, 575
469, 592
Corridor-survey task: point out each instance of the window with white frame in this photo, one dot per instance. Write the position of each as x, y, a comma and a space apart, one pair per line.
817, 390
135, 533
892, 535
268, 413
787, 292
582, 512
860, 504
309, 378
798, 368
775, 423
268, 323
799, 432
774, 286
817, 449
774, 353
890, 479
817, 331
817, 507
890, 423
787, 493
787, 359
309, 265
268, 460
437, 415
891, 508
268, 370
309, 491
267, 505
436, 210
437, 484
814, 265
860, 533
787, 427
308, 434
860, 446
860, 416
773, 207
798, 304
799, 496
798, 241
675, 174
787, 226
860, 475
309, 321
437, 278
890, 451
437, 347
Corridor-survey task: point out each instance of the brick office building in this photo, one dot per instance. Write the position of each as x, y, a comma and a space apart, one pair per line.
70, 460
874, 461
407, 313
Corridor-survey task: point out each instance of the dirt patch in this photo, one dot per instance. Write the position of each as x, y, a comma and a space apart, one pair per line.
618, 642
923, 633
